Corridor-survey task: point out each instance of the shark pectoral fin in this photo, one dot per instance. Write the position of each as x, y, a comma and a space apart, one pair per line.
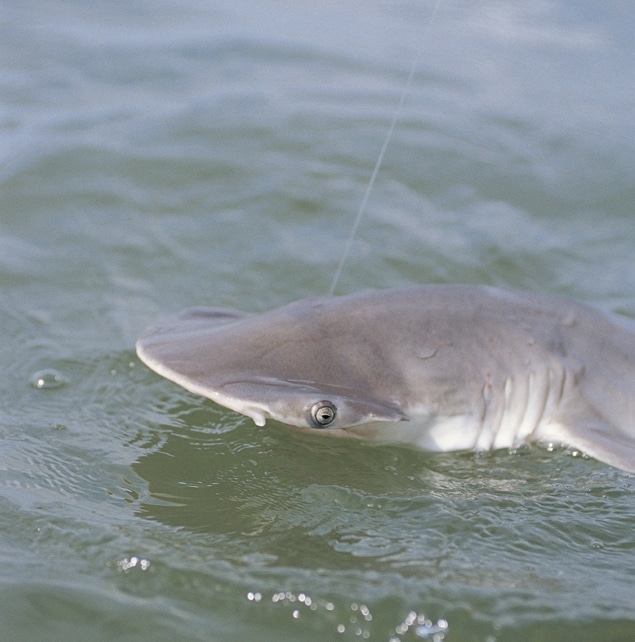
610, 449
600, 440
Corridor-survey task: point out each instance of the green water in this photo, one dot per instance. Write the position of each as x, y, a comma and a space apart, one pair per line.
157, 156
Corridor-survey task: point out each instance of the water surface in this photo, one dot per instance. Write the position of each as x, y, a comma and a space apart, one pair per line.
158, 156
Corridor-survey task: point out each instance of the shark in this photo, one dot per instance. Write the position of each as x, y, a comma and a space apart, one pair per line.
440, 367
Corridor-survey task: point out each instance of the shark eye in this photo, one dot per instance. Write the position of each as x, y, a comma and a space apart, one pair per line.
323, 414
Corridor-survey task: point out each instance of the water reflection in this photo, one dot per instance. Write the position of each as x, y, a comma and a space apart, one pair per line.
315, 502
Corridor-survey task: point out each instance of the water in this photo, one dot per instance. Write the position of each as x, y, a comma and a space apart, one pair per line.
159, 156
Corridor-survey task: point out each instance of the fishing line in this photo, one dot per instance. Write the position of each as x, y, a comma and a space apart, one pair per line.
380, 158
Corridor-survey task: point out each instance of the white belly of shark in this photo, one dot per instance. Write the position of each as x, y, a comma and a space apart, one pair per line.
522, 413
443, 367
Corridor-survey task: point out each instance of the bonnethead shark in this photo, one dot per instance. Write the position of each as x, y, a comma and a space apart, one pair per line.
442, 367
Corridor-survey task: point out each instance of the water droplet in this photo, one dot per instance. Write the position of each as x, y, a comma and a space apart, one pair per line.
129, 563
48, 379
429, 629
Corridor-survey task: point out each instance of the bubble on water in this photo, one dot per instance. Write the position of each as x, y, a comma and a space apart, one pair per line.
48, 379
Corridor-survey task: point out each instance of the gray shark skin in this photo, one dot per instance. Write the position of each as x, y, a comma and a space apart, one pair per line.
442, 367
